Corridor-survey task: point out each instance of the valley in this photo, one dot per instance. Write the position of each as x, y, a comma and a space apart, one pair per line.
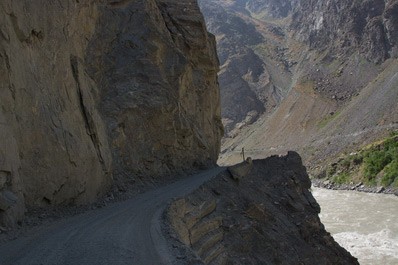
312, 90
192, 132
321, 79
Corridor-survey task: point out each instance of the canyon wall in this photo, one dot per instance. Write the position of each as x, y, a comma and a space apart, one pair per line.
250, 83
94, 92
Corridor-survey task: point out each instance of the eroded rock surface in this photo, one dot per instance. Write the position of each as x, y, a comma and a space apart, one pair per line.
267, 217
91, 89
156, 67
349, 26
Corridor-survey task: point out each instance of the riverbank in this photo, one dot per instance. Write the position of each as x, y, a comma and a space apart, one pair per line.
327, 184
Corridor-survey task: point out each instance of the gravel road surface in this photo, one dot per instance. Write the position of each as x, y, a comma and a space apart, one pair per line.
127, 232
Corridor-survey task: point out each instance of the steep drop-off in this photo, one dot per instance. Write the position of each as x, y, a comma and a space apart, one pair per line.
257, 212
93, 91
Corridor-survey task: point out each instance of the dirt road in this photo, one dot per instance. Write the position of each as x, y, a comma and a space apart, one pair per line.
128, 232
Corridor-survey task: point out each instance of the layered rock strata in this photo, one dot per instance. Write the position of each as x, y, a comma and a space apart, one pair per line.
259, 212
95, 89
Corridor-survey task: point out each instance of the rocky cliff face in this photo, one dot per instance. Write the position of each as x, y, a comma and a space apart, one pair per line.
159, 90
91, 89
370, 27
258, 212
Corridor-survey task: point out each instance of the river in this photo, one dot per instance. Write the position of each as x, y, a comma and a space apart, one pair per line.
365, 224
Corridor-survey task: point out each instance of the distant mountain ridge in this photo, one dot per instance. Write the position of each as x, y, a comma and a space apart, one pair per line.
318, 77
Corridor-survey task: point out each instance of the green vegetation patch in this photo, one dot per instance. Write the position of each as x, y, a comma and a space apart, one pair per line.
393, 133
342, 178
363, 61
374, 165
329, 118
335, 64
262, 50
382, 160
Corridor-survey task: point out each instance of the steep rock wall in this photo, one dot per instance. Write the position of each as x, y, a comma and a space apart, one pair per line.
95, 88
53, 146
157, 69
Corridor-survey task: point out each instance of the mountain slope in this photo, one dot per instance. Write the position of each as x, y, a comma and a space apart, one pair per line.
250, 80
338, 63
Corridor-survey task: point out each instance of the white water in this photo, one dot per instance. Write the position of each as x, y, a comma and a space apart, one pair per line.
365, 224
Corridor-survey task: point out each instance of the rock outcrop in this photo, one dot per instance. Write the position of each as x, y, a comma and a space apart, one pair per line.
346, 27
159, 91
96, 90
267, 217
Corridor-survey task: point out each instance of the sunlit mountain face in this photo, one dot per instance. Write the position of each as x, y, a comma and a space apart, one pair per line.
317, 77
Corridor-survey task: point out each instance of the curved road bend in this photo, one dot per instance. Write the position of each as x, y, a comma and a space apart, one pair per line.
122, 233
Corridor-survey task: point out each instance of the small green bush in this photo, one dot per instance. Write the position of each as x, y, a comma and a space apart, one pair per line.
393, 133
375, 162
357, 159
346, 162
390, 174
330, 172
342, 178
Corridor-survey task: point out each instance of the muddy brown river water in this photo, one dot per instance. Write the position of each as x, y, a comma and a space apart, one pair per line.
365, 224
